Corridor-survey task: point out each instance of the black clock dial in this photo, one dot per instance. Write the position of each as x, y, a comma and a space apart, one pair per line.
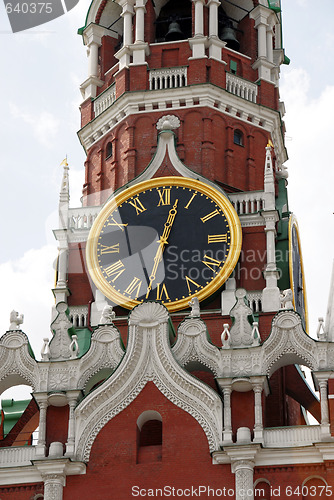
297, 273
166, 242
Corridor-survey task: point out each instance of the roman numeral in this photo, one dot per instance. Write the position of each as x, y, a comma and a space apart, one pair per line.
210, 261
134, 286
189, 280
137, 204
115, 223
164, 196
209, 216
115, 270
191, 199
162, 290
109, 249
217, 238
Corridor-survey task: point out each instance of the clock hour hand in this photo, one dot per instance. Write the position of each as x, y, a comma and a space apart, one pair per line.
163, 241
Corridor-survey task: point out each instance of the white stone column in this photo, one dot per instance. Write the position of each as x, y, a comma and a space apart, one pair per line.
71, 429
53, 486
262, 39
93, 39
215, 44
93, 58
270, 50
324, 403
140, 20
127, 14
199, 18
322, 379
72, 397
140, 49
197, 43
258, 424
124, 54
244, 473
43, 406
213, 17
227, 432
263, 19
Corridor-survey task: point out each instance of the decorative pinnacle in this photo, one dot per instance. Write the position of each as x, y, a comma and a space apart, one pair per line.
65, 186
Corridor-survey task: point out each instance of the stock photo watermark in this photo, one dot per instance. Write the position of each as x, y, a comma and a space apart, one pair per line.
24, 15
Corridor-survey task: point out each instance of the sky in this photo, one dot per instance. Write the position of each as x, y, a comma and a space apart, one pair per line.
42, 70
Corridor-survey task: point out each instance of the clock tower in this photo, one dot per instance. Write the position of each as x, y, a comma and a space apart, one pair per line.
180, 320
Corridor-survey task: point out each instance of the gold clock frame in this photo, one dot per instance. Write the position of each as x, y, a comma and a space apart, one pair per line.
208, 190
293, 223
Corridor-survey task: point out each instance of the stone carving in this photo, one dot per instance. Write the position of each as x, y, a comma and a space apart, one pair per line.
286, 299
256, 334
148, 357
16, 320
195, 309
168, 122
241, 330
108, 315
45, 351
321, 333
226, 336
148, 314
60, 342
74, 347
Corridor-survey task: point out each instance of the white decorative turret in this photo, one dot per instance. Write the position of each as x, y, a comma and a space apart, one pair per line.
61, 291
329, 325
64, 196
271, 293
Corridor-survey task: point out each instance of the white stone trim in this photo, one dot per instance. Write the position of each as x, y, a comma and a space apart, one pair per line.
208, 95
148, 358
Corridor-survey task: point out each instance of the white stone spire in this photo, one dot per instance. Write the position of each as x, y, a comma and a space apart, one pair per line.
64, 196
329, 324
60, 291
271, 293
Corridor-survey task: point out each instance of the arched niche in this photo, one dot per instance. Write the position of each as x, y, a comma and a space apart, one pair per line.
174, 20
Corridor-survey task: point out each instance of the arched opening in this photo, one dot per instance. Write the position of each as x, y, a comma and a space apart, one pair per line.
314, 487
174, 21
262, 489
202, 372
97, 379
291, 398
19, 417
227, 30
238, 137
109, 150
149, 437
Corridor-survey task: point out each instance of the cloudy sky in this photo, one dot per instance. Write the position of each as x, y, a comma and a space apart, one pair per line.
42, 71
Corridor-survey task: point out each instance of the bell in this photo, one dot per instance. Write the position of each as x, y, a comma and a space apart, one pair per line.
174, 32
228, 36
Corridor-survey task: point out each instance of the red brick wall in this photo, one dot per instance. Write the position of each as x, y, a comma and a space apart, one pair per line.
205, 140
112, 469
56, 424
21, 492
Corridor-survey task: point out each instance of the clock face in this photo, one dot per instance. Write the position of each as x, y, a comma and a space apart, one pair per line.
167, 240
297, 281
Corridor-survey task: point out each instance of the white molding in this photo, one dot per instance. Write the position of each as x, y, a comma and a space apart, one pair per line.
129, 104
148, 358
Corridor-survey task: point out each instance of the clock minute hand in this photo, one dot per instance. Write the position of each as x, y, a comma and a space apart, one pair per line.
162, 243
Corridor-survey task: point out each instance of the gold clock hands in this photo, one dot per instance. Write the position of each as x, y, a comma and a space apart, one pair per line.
163, 241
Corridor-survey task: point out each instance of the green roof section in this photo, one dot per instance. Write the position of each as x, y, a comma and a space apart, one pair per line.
12, 412
81, 30
84, 340
275, 5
